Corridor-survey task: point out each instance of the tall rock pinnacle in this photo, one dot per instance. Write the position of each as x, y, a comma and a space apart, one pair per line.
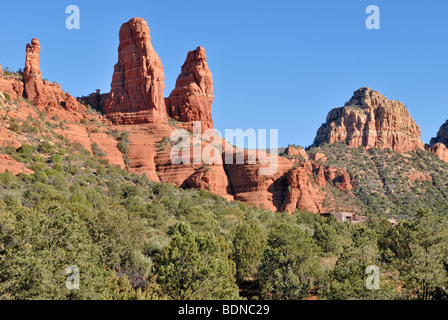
192, 98
371, 120
136, 94
32, 77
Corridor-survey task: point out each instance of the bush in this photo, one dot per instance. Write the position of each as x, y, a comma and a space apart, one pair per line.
97, 151
26, 150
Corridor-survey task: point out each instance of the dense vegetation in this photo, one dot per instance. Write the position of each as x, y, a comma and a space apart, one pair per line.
131, 238
135, 239
390, 183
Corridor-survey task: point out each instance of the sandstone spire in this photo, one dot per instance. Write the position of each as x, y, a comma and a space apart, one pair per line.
371, 120
192, 98
32, 77
136, 94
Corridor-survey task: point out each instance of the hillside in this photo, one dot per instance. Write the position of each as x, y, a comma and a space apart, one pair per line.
132, 238
90, 182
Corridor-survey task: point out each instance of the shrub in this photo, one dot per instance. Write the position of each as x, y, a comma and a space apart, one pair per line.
45, 147
97, 151
26, 150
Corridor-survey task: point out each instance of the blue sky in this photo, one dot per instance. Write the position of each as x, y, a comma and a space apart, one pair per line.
280, 64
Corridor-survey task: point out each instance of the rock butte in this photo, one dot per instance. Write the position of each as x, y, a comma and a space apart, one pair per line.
371, 120
136, 104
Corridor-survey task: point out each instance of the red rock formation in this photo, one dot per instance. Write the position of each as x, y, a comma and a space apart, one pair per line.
70, 103
249, 184
40, 92
212, 178
293, 152
307, 183
8, 163
319, 157
371, 120
192, 98
136, 94
442, 135
34, 86
439, 144
136, 98
440, 150
95, 100
12, 86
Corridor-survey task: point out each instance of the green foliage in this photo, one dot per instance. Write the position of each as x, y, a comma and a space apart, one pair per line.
97, 151
290, 263
26, 150
133, 238
193, 268
45, 147
249, 243
421, 253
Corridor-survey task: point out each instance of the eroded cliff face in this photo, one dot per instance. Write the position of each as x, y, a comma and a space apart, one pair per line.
371, 120
136, 94
192, 98
307, 186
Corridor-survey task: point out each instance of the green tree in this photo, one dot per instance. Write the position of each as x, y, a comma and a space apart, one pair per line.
40, 244
421, 254
349, 276
249, 243
193, 268
290, 263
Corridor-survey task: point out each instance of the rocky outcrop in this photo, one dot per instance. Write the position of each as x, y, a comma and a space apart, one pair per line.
371, 120
442, 135
40, 92
96, 100
9, 164
439, 144
295, 152
306, 186
192, 98
136, 94
32, 77
440, 150
12, 86
250, 184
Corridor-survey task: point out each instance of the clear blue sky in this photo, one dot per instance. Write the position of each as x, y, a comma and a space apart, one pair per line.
276, 64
